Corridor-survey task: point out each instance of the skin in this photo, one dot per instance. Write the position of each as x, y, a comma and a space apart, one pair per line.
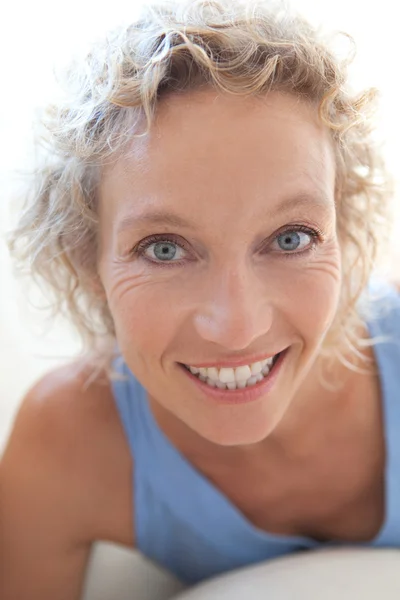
227, 166
234, 295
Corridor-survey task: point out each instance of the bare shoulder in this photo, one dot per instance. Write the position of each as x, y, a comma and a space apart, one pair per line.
69, 423
65, 480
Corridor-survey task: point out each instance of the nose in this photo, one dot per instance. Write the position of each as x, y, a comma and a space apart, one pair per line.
234, 310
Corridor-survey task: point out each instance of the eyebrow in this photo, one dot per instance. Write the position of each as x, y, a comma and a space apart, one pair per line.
156, 217
164, 217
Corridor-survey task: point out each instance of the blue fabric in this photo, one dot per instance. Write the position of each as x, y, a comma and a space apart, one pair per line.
185, 524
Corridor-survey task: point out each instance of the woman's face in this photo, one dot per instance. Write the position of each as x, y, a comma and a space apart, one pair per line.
219, 249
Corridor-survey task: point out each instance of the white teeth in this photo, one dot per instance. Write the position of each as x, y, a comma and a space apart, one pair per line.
243, 373
213, 373
220, 385
256, 368
226, 375
232, 379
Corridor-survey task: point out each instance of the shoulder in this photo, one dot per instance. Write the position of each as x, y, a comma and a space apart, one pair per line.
68, 403
67, 414
68, 424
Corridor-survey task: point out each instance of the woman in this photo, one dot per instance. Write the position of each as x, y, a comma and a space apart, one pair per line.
208, 215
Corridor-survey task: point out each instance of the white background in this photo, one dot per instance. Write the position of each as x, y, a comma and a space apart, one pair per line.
36, 36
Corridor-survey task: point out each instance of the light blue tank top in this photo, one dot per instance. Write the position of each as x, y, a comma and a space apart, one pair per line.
184, 523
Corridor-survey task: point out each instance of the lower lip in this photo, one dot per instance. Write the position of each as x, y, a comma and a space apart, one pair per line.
242, 396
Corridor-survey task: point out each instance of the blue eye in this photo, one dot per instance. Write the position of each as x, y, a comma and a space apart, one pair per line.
164, 250
295, 240
161, 250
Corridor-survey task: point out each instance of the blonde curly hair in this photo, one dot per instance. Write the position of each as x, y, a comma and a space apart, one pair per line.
239, 47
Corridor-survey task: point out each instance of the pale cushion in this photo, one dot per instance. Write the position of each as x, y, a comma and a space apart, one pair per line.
118, 573
339, 574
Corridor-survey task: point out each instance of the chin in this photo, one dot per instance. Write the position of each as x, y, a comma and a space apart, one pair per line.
239, 429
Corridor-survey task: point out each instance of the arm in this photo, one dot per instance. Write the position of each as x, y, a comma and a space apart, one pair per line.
43, 551
60, 488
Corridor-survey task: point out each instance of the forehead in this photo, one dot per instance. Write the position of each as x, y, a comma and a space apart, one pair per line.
209, 145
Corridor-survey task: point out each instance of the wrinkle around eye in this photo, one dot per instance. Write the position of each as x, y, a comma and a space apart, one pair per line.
123, 282
329, 262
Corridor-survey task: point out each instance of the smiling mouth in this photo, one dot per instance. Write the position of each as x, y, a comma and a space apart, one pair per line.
227, 378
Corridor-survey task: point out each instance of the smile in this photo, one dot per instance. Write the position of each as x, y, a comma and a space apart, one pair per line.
228, 378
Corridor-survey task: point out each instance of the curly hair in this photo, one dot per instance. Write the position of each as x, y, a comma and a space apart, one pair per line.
238, 47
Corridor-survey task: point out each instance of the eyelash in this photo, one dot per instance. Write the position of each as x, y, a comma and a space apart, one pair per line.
141, 247
316, 236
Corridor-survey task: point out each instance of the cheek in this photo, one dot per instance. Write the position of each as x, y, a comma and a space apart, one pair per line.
308, 296
145, 312
318, 297
321, 305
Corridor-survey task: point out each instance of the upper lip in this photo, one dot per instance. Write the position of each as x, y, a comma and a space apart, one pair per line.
234, 362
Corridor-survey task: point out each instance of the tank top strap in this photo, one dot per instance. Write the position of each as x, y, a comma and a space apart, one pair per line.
384, 327
131, 401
